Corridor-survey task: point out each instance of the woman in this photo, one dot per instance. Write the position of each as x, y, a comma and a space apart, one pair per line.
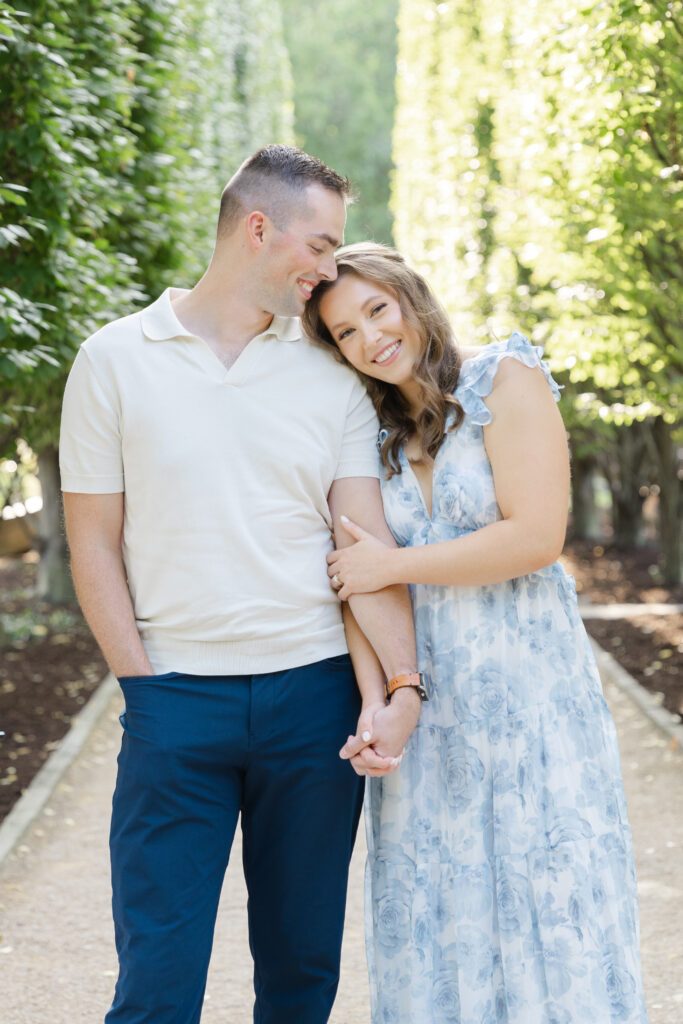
500, 867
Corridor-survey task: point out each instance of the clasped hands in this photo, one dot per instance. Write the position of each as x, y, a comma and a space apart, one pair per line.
361, 568
382, 733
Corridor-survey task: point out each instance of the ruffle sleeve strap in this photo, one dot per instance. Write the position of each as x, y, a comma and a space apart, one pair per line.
478, 373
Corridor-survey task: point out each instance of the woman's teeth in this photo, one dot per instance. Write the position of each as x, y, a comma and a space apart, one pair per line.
387, 353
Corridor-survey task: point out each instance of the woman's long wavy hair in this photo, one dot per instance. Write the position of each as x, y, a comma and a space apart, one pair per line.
436, 369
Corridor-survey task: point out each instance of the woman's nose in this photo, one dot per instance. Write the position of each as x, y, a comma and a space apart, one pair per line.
371, 335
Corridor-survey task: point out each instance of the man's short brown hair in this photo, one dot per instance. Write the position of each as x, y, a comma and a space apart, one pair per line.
274, 180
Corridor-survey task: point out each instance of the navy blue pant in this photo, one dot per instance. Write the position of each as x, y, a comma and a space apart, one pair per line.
197, 751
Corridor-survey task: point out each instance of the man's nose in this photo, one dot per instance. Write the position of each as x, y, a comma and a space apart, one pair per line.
327, 268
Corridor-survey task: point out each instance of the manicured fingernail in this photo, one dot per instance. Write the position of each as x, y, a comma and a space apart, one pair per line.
366, 736
395, 761
345, 519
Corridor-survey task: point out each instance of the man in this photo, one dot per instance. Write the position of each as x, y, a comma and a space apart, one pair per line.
207, 450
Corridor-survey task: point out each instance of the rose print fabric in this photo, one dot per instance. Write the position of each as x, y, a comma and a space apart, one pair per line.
500, 880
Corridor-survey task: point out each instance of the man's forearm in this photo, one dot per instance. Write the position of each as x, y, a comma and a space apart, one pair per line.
102, 589
386, 619
369, 672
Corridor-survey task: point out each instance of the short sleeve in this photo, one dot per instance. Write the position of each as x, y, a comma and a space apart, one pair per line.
358, 454
90, 458
477, 374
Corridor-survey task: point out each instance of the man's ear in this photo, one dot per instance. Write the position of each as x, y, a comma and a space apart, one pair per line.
257, 226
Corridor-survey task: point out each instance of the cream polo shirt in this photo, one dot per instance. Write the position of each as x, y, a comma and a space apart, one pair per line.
226, 474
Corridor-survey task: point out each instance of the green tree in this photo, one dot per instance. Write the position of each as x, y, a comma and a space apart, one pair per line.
447, 178
602, 226
211, 84
539, 185
344, 65
21, 319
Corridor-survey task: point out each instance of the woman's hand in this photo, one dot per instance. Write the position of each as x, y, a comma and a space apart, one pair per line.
359, 749
361, 568
378, 749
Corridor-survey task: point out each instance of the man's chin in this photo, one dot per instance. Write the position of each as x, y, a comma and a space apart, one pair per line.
294, 308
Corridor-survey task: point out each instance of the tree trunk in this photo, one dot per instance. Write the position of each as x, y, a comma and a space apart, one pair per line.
670, 501
624, 470
626, 517
54, 575
585, 525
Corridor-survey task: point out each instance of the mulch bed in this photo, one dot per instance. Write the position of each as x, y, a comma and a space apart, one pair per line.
49, 666
50, 663
650, 647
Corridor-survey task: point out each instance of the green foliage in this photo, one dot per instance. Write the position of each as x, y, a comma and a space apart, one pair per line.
539, 185
211, 85
343, 61
33, 622
62, 138
549, 195
604, 206
445, 187
254, 36
120, 122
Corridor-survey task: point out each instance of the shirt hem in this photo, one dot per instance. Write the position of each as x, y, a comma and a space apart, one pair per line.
236, 658
92, 485
346, 469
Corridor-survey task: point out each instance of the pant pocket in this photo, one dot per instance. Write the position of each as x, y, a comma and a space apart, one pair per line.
155, 678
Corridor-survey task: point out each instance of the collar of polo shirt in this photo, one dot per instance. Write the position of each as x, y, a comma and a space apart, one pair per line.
159, 322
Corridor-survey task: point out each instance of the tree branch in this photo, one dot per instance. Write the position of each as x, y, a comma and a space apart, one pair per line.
655, 145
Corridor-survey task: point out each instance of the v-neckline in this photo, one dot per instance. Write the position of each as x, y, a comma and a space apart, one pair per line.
428, 513
416, 480
239, 370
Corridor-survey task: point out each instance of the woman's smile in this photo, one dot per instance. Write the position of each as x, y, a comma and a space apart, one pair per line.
388, 353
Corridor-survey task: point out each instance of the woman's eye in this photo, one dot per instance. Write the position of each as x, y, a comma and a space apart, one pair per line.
317, 251
344, 334
376, 309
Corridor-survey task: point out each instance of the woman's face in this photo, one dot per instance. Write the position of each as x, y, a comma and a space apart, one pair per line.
368, 327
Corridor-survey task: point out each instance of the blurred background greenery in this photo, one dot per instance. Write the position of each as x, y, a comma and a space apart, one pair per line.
525, 155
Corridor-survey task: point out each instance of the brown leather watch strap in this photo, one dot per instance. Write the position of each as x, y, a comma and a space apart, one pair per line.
414, 679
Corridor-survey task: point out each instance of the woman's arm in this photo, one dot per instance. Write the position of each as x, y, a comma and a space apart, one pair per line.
527, 447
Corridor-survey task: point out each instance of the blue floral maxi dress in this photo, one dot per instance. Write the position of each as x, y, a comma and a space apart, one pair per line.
500, 880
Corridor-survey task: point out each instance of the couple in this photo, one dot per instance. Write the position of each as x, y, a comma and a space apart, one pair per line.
501, 884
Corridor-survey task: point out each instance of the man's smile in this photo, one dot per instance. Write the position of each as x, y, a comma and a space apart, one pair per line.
306, 286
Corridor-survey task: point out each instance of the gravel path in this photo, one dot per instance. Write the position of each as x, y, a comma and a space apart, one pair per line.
57, 963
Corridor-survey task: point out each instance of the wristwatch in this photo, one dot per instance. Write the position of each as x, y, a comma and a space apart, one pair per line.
414, 679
